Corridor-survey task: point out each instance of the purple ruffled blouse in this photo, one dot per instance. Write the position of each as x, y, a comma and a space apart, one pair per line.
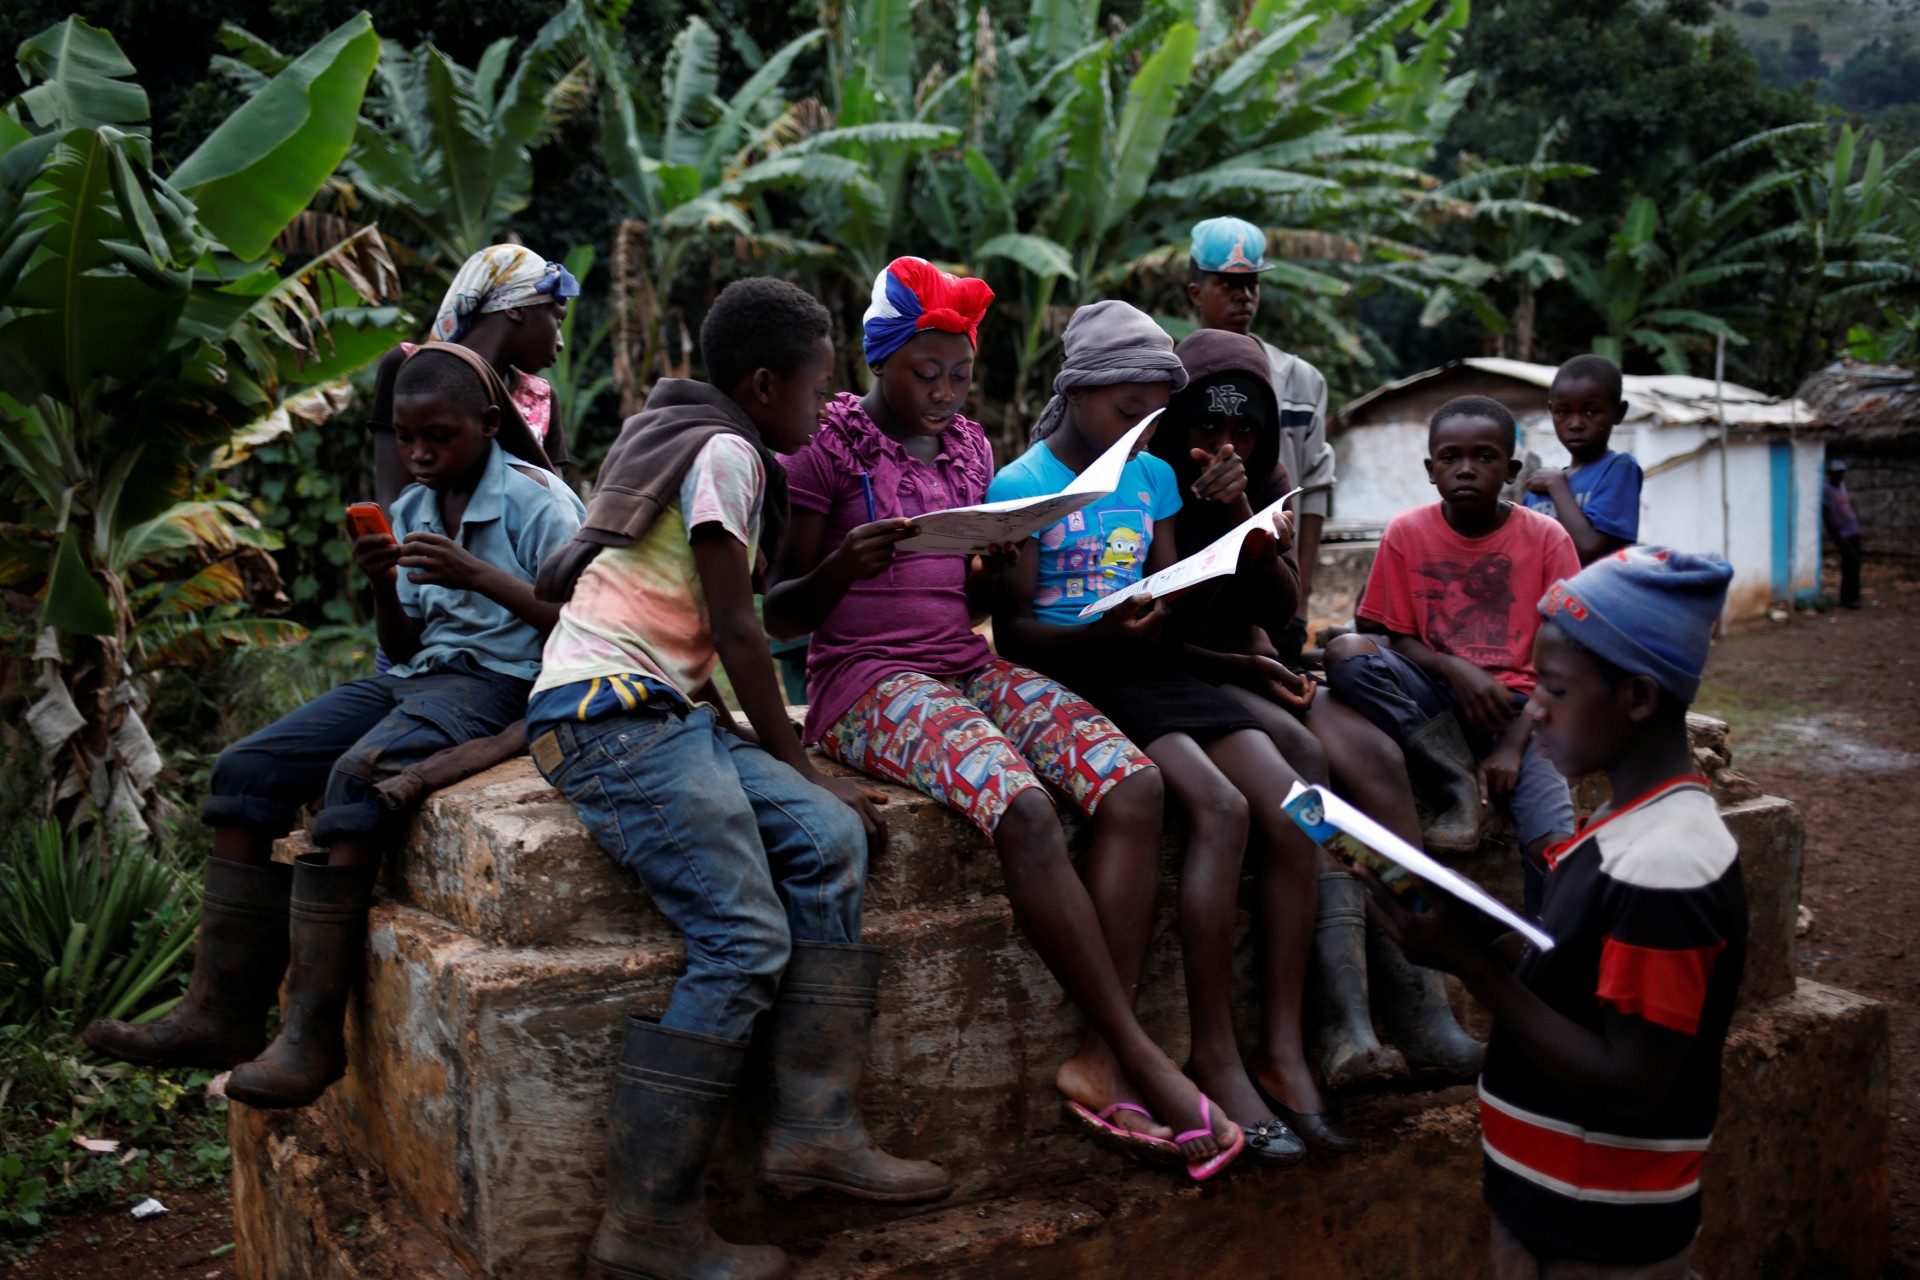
914, 616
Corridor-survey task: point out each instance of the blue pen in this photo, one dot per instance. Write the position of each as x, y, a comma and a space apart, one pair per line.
866, 488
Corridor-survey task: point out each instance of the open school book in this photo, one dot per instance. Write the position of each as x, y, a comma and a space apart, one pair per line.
971, 530
1222, 556
1357, 840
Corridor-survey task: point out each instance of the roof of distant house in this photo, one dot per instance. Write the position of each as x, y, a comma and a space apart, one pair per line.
1662, 400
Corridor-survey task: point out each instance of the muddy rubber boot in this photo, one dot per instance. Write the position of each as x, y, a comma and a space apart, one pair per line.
327, 939
817, 1049
237, 965
1442, 769
671, 1090
1413, 1006
1343, 1025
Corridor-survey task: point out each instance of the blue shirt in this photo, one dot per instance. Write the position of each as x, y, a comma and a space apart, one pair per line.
1100, 548
1608, 491
513, 522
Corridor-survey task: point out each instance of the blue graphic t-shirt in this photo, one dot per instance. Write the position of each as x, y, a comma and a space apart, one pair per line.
1608, 491
1100, 548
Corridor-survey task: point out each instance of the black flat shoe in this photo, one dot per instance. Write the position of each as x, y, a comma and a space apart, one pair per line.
1273, 1144
1316, 1129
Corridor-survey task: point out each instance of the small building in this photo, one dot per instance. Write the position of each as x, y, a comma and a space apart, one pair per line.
1728, 469
1873, 424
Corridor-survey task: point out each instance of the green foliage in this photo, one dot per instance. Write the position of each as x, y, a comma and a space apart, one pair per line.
581, 375
48, 1098
88, 935
139, 330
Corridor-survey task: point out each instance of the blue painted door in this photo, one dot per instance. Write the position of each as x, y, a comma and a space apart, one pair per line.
1781, 463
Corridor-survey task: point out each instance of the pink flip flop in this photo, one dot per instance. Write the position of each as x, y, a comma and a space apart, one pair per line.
1126, 1142
1207, 1168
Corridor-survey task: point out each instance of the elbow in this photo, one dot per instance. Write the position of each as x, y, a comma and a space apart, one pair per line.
778, 616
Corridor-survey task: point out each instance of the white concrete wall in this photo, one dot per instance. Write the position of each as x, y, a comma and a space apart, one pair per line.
1381, 474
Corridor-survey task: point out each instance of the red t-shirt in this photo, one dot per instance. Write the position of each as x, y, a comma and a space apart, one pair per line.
1474, 598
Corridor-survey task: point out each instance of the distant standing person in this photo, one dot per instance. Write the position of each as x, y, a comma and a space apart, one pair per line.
506, 305
1223, 284
1843, 526
1596, 497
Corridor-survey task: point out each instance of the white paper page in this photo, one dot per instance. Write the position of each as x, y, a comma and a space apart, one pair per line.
1384, 842
1223, 556
971, 530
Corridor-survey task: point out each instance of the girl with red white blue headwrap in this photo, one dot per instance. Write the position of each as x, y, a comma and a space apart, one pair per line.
900, 686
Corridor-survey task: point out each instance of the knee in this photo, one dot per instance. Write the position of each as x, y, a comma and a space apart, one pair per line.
1029, 834
235, 770
1352, 645
1136, 803
1307, 756
1219, 816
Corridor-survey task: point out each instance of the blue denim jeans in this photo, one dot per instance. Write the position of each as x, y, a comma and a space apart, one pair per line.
1399, 697
337, 747
741, 853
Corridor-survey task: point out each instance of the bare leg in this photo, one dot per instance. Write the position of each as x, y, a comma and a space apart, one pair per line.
352, 853
1285, 890
1366, 766
237, 843
1054, 910
1209, 888
1297, 743
1122, 878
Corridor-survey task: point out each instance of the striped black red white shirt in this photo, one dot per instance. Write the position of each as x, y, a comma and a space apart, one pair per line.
1649, 916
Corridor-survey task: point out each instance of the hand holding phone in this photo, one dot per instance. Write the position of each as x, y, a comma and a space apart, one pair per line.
374, 548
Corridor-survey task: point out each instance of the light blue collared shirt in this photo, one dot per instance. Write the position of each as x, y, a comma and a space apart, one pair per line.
514, 521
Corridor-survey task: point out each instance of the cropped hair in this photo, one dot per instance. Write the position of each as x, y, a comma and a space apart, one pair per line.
1475, 407
432, 373
1596, 369
760, 322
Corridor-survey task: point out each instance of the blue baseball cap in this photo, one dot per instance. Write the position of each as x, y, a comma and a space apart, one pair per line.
1647, 610
1232, 246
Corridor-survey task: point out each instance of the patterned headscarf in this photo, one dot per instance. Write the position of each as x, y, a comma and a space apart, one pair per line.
499, 278
1107, 343
912, 294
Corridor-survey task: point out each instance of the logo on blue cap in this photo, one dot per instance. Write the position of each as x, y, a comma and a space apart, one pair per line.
1233, 246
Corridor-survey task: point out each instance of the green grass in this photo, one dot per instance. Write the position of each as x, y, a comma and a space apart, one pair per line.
1750, 715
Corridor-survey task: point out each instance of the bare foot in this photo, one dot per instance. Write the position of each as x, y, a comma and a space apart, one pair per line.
1231, 1089
1093, 1079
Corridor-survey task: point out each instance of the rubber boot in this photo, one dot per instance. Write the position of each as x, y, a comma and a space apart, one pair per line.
671, 1090
1343, 1026
327, 940
237, 965
1442, 769
817, 1048
1413, 1007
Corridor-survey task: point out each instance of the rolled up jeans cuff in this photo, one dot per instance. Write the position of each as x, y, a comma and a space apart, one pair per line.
265, 817
355, 820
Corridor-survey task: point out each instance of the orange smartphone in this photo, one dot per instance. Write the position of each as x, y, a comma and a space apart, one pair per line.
364, 518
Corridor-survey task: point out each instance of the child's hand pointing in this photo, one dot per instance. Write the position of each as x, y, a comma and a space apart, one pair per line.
1223, 477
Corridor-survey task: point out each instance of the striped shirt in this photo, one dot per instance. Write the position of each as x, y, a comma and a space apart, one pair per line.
1650, 915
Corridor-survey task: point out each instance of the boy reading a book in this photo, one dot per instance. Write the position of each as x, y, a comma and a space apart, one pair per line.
1452, 633
1602, 1080
759, 860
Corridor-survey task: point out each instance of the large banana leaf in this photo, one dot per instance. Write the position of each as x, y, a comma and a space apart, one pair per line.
1145, 121
262, 165
83, 80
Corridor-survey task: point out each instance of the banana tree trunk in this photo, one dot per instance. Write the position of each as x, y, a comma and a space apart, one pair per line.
98, 763
636, 315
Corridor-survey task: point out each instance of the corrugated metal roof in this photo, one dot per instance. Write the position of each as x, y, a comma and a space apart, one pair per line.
1665, 400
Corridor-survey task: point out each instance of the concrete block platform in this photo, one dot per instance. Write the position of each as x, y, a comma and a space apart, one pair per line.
466, 1140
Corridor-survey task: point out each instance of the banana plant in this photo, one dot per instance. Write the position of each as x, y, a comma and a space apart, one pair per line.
143, 321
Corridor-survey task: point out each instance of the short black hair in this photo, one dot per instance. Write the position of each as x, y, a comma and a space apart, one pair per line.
1474, 407
1596, 369
760, 321
435, 373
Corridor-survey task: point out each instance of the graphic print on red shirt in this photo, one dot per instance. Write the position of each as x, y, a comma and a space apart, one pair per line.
1473, 598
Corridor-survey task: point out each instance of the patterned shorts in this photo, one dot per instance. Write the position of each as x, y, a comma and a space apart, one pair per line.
980, 741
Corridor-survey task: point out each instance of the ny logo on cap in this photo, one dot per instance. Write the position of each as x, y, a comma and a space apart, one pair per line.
1226, 401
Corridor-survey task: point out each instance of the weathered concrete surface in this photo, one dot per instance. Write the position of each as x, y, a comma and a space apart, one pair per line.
509, 948
1795, 1186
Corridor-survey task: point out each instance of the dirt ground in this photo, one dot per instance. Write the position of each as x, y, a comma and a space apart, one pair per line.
194, 1241
1825, 711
